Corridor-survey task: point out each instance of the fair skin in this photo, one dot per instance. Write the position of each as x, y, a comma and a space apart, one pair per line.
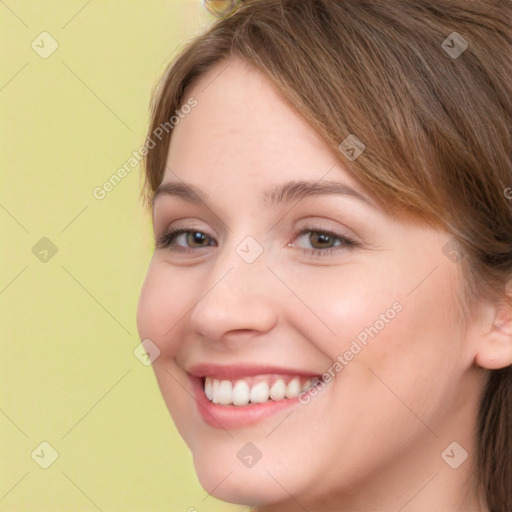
373, 437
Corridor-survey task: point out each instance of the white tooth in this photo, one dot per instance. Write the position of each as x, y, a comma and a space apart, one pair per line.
215, 390
306, 385
225, 392
208, 388
241, 393
293, 388
278, 390
259, 393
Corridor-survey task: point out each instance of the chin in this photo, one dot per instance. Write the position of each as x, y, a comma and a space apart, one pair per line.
223, 476
242, 487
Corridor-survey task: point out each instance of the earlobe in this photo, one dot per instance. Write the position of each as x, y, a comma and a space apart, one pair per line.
495, 357
495, 350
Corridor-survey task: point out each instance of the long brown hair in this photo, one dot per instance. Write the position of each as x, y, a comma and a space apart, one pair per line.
427, 87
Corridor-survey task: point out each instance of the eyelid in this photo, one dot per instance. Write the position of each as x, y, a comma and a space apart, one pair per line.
319, 226
347, 241
168, 240
172, 233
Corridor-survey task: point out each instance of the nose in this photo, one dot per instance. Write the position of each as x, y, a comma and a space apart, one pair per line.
239, 298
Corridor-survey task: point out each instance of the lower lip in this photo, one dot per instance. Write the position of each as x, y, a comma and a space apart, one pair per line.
231, 416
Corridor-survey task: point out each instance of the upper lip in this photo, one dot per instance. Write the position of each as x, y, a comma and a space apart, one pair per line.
239, 371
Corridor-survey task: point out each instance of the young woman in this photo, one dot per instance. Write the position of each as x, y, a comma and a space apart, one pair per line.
331, 288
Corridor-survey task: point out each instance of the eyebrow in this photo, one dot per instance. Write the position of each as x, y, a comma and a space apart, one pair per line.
187, 192
283, 193
297, 190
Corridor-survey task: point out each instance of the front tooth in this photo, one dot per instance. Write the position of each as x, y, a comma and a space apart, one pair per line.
208, 388
241, 393
215, 391
259, 393
278, 390
293, 388
225, 392
306, 385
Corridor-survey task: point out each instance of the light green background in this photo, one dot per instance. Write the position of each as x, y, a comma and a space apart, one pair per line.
68, 373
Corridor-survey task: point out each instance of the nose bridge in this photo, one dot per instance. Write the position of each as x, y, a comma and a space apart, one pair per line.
239, 295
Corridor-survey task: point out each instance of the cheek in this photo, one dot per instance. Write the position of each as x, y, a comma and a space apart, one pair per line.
345, 305
419, 355
386, 324
162, 307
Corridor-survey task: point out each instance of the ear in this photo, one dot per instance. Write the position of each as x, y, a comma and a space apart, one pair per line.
494, 349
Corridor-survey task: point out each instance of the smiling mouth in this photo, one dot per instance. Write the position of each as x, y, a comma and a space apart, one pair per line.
232, 396
258, 389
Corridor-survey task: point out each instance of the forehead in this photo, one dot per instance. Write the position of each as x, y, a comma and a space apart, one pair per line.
242, 127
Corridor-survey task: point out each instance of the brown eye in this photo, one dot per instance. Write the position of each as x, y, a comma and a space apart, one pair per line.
196, 239
183, 239
323, 243
321, 240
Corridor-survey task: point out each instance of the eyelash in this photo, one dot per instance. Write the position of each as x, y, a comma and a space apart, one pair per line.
168, 240
346, 243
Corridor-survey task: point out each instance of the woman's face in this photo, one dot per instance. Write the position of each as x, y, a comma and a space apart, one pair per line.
290, 270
